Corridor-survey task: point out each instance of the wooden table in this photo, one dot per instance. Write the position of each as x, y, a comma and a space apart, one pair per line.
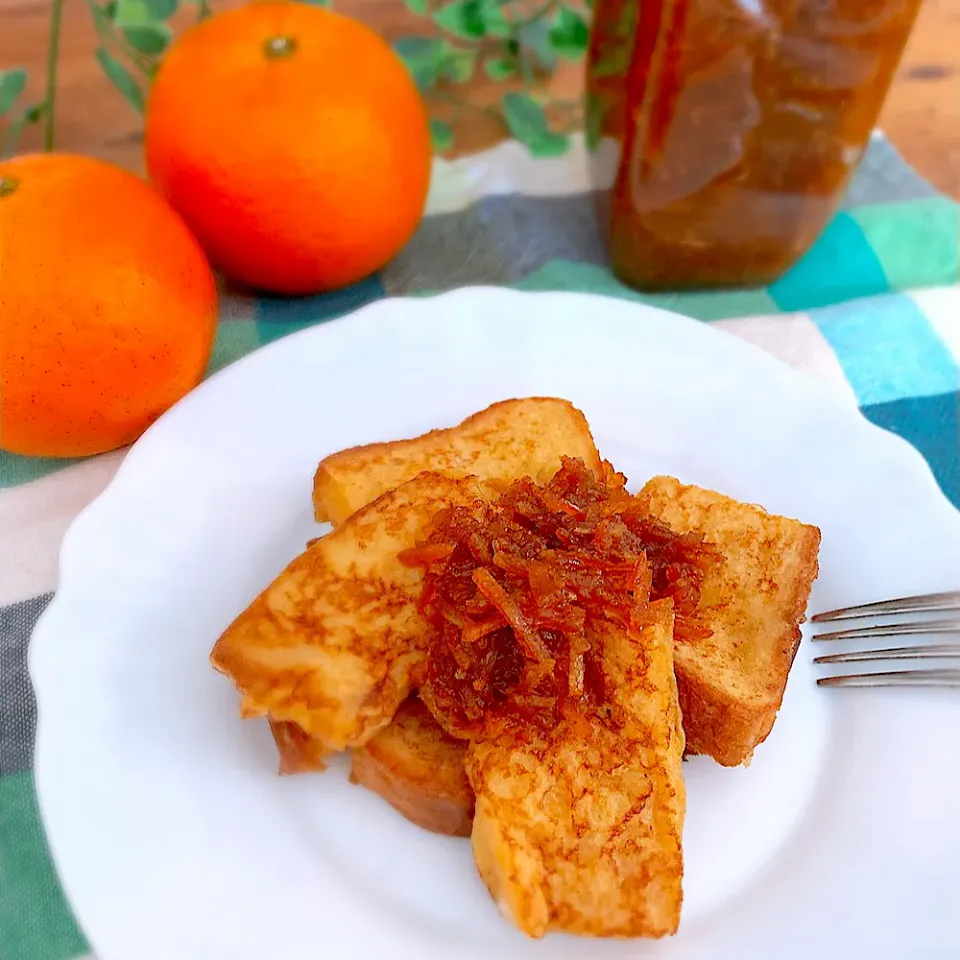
922, 115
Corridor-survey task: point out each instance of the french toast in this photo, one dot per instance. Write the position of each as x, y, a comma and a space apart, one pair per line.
419, 770
333, 644
517, 650
511, 439
731, 684
299, 752
579, 830
753, 600
412, 763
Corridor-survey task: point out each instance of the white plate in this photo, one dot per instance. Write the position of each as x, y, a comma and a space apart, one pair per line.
176, 840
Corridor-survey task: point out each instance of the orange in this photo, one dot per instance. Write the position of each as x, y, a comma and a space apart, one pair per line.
108, 307
294, 143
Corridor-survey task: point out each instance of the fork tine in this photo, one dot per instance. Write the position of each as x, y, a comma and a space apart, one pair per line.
892, 630
928, 601
946, 677
931, 651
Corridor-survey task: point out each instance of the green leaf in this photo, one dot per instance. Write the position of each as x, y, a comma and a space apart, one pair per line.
441, 135
417, 48
11, 140
494, 19
423, 57
535, 38
419, 7
431, 60
318, 3
528, 124
12, 83
524, 116
162, 9
462, 18
34, 112
128, 12
456, 63
552, 145
122, 79
151, 39
473, 19
569, 34
135, 13
500, 68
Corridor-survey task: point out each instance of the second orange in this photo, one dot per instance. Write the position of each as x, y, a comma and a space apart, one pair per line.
293, 142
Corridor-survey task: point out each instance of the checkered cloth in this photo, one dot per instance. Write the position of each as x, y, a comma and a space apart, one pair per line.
875, 307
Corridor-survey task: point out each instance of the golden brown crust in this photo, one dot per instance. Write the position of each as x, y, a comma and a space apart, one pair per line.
412, 763
717, 723
299, 753
580, 831
731, 685
333, 644
508, 440
418, 769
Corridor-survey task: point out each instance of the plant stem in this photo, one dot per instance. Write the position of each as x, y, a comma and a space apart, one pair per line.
536, 15
111, 39
53, 49
526, 68
461, 104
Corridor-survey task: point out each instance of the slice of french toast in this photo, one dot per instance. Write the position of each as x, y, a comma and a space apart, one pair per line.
506, 441
418, 769
580, 830
333, 644
754, 599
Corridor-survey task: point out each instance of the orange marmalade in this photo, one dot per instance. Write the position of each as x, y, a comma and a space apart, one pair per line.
516, 588
730, 128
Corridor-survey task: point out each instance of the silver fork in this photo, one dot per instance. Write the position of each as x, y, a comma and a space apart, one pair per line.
906, 625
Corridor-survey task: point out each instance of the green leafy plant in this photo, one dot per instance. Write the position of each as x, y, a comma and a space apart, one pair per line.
516, 45
513, 44
132, 36
17, 113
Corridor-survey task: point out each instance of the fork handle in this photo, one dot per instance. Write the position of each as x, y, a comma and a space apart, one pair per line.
947, 677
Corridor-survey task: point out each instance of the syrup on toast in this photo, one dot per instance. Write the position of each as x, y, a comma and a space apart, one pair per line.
754, 600
333, 644
731, 684
506, 441
580, 830
418, 769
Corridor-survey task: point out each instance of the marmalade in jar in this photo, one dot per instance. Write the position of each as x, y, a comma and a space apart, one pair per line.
729, 129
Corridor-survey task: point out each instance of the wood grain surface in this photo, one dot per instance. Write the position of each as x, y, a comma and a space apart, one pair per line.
922, 114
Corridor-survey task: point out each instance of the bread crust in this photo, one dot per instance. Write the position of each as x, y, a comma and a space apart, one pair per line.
419, 770
506, 441
754, 600
299, 753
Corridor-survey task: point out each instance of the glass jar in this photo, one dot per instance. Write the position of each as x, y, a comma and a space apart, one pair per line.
724, 132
